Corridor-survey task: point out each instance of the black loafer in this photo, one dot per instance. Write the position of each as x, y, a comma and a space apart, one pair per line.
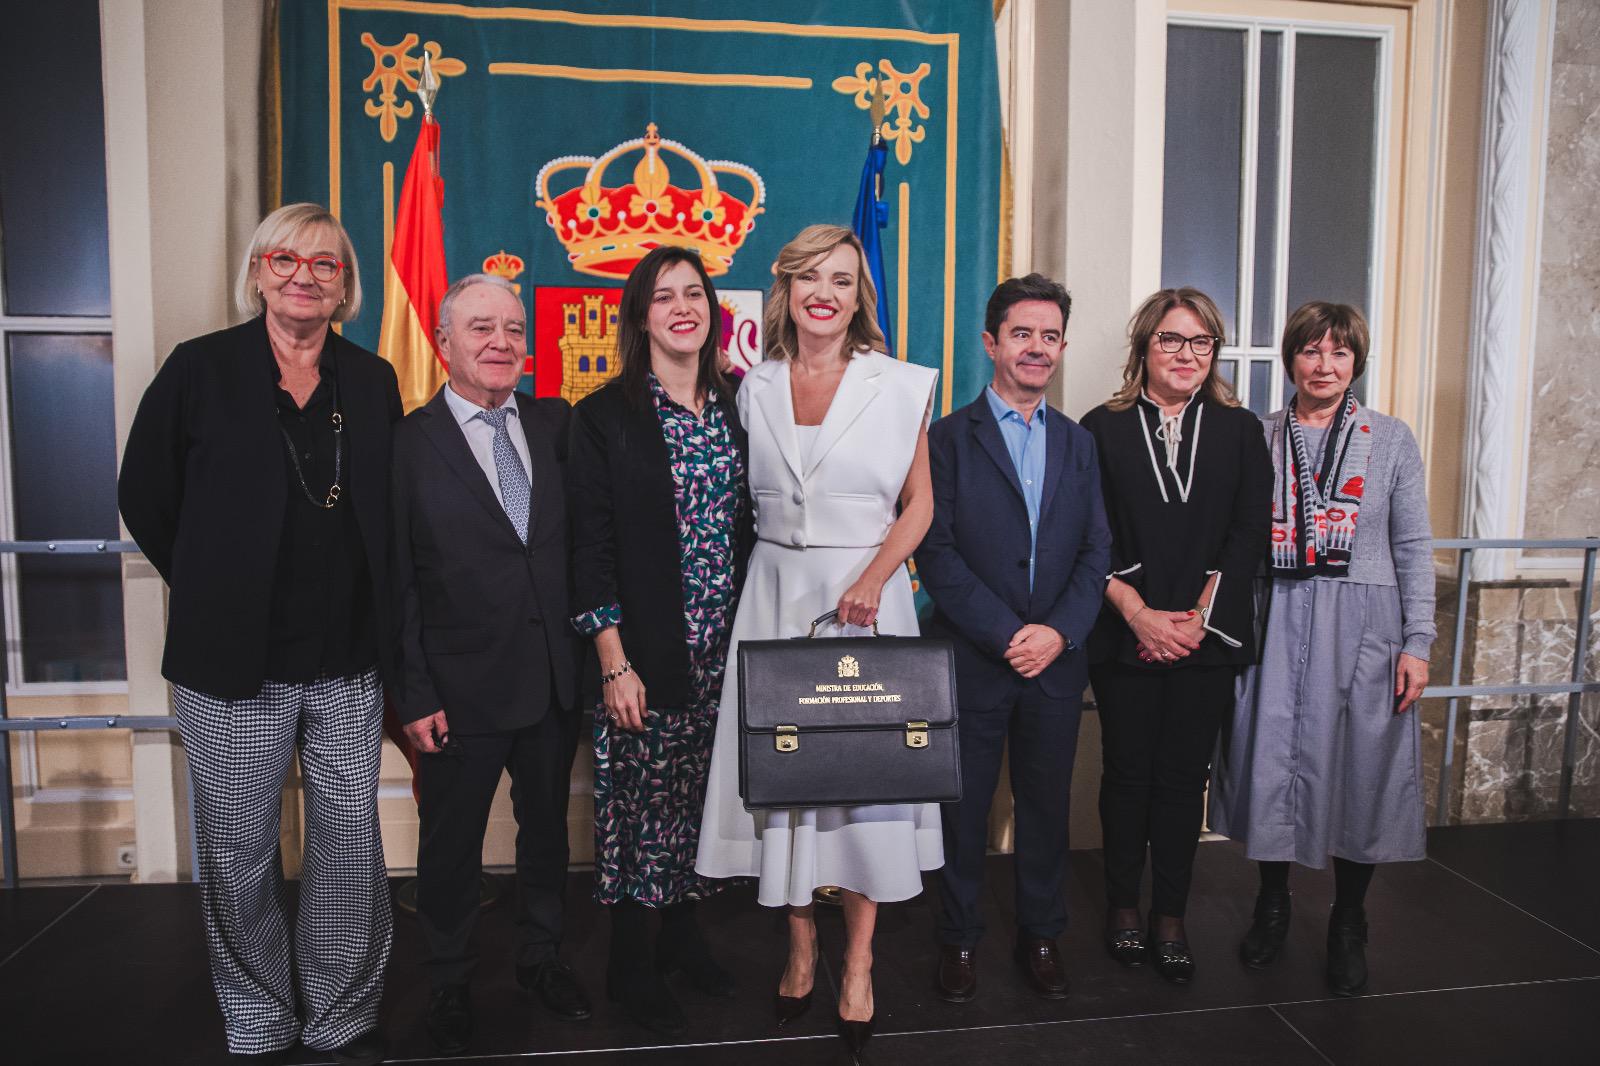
1172, 959
449, 1021
1347, 952
1268, 930
557, 988
1127, 946
368, 1049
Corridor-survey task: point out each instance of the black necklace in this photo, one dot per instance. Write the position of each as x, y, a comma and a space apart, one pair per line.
338, 456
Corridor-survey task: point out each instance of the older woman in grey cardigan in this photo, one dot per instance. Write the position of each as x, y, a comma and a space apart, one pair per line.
1322, 759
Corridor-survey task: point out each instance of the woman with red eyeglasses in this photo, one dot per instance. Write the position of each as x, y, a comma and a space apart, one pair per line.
256, 480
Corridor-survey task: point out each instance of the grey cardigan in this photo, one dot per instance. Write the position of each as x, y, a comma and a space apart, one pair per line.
1395, 503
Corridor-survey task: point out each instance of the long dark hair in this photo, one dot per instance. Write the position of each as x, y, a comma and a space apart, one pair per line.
633, 339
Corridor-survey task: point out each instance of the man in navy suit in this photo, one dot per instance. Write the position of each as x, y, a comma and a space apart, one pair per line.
1015, 562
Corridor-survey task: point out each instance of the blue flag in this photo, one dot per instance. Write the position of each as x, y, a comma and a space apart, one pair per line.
870, 217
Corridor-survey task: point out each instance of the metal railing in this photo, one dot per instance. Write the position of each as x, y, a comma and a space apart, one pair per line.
1454, 692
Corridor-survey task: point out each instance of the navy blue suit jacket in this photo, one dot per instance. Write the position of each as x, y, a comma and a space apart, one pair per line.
974, 560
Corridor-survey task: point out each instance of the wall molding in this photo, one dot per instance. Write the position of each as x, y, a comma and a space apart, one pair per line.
1505, 284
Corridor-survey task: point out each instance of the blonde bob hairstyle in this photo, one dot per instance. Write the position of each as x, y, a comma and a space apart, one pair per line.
809, 247
282, 228
1142, 327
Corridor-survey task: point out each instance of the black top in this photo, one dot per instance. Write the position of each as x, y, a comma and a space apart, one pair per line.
482, 616
625, 533
321, 620
1170, 530
204, 490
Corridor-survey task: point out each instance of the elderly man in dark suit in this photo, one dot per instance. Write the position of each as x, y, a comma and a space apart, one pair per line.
1015, 562
487, 672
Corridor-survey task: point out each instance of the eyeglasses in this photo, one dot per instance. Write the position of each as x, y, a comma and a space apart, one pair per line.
1200, 344
284, 263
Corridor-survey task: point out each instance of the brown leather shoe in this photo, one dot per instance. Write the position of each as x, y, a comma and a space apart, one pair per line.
1040, 961
958, 974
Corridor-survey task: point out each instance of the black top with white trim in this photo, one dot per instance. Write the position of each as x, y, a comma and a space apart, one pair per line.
1186, 497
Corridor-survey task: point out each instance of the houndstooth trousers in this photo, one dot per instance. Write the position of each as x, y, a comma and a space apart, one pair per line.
239, 753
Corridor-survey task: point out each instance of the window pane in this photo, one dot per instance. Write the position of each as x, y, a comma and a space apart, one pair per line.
53, 161
1331, 191
1261, 386
1268, 134
63, 475
1204, 139
1228, 370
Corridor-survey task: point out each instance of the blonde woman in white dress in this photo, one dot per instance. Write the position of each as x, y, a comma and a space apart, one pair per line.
838, 438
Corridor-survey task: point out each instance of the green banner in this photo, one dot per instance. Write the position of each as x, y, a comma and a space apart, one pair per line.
556, 123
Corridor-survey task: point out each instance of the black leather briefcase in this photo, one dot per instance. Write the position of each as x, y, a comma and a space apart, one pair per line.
847, 721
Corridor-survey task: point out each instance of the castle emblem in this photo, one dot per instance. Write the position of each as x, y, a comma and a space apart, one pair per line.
848, 667
588, 346
607, 229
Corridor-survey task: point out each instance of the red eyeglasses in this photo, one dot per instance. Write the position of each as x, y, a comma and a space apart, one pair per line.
284, 263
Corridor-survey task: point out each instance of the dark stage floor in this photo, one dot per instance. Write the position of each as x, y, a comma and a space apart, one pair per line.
1488, 952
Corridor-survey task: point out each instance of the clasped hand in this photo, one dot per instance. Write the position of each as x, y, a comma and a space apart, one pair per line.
1166, 636
1033, 648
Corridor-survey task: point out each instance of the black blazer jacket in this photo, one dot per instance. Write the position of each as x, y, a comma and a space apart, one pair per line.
974, 559
203, 490
1167, 547
625, 533
483, 619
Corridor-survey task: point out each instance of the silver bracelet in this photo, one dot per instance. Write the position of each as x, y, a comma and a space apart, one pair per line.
607, 678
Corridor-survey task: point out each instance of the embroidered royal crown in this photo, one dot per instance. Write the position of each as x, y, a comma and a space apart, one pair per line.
607, 229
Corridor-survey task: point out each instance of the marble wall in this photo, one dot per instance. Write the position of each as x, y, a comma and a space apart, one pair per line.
1563, 495
1508, 751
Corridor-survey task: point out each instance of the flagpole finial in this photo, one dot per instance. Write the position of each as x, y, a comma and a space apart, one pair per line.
427, 84
877, 111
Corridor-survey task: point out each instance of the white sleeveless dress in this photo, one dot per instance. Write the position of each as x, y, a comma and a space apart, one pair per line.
821, 514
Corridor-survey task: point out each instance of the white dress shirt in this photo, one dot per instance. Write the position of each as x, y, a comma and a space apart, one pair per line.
480, 435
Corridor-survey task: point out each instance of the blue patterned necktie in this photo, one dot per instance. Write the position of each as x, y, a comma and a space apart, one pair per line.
514, 495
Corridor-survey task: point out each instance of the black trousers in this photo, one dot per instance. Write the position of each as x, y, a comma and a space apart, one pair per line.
1158, 730
1044, 743
456, 788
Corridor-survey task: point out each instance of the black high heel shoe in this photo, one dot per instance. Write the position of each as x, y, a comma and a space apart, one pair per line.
856, 1034
788, 1008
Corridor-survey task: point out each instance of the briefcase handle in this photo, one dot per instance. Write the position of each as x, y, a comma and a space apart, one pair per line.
833, 616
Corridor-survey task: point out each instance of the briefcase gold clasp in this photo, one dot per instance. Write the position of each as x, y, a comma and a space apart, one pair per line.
788, 738
916, 734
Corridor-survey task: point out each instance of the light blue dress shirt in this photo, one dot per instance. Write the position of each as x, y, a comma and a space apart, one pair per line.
1025, 444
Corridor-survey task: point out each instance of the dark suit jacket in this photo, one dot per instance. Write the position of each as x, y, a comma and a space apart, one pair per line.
203, 490
625, 533
974, 559
483, 619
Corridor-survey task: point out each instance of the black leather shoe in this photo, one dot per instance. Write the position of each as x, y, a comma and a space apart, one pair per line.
647, 1000
1040, 962
557, 988
689, 956
368, 1049
1268, 930
449, 1019
788, 1008
957, 978
1127, 946
1347, 951
1172, 959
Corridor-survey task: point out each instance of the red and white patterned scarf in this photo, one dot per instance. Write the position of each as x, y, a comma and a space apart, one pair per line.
1314, 507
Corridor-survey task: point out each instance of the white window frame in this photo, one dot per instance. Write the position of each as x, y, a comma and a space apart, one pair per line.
1244, 354
10, 600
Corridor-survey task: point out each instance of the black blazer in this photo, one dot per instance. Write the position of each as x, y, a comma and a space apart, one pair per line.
625, 533
203, 491
1167, 548
483, 619
974, 559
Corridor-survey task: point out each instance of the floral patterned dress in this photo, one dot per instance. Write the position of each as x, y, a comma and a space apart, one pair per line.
649, 787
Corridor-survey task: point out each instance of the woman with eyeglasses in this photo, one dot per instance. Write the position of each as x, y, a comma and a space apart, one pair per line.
1187, 484
1321, 759
256, 480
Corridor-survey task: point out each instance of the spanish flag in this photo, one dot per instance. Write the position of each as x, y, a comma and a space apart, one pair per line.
414, 278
